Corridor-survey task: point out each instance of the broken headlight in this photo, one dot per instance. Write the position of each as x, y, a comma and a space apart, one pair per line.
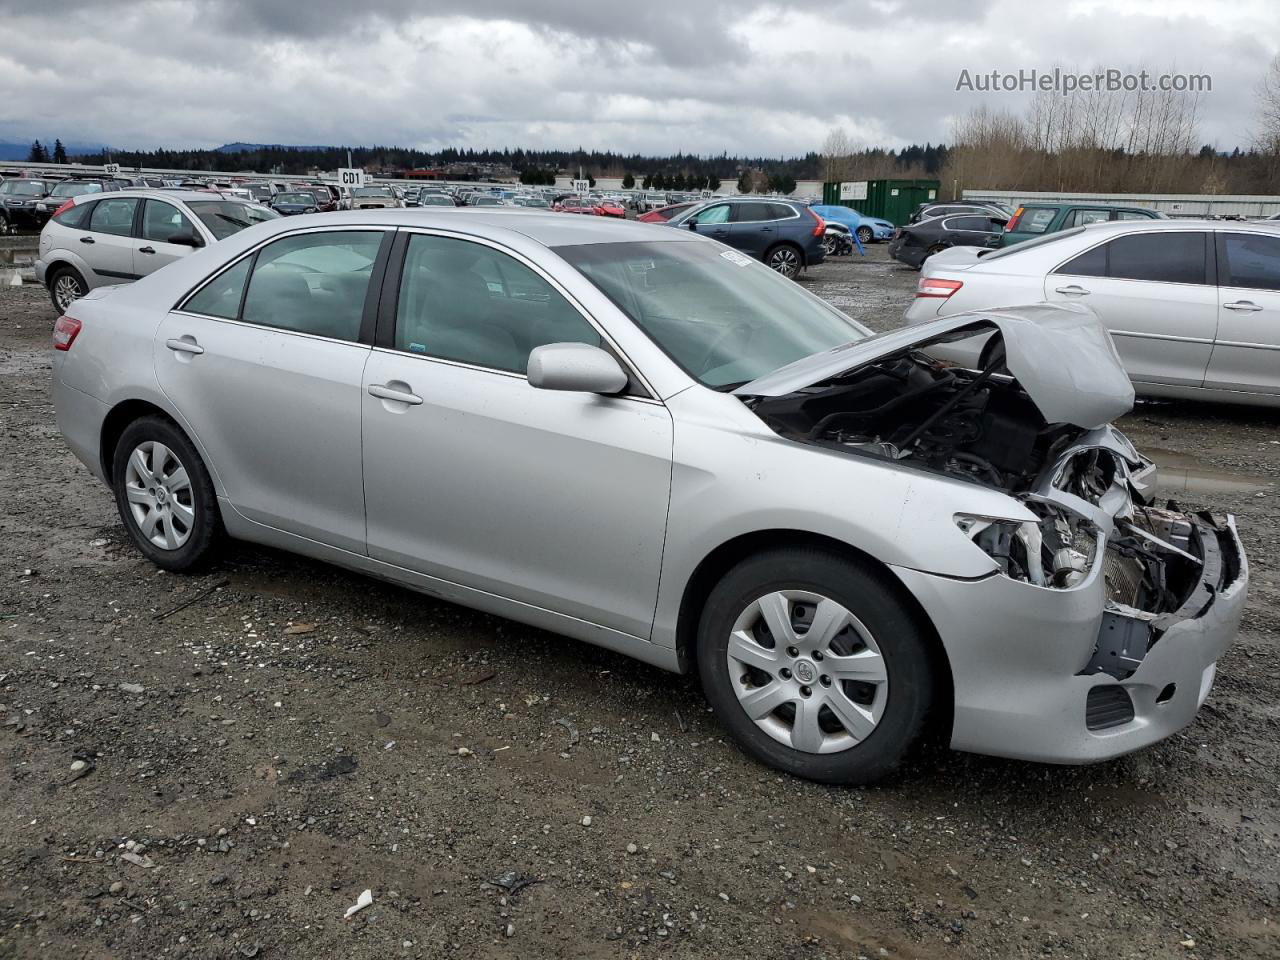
1057, 550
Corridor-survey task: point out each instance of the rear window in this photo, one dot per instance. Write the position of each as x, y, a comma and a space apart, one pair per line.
1035, 220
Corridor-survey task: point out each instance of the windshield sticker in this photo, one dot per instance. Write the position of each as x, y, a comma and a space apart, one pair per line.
733, 256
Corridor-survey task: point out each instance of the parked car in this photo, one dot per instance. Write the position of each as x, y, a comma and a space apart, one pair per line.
95, 240
915, 242
295, 202
927, 211
609, 208
373, 198
783, 234
67, 189
535, 203
866, 229
258, 192
18, 199
663, 214
434, 200
840, 534
575, 205
486, 200
1193, 306
1035, 219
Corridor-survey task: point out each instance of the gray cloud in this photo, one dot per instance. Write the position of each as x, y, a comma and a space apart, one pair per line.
759, 78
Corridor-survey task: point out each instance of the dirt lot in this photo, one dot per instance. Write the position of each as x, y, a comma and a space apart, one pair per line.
297, 734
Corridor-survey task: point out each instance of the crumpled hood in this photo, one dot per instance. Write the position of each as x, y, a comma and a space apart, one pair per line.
1060, 354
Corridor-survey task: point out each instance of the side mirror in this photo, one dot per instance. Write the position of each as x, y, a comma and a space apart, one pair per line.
577, 367
186, 238
692, 223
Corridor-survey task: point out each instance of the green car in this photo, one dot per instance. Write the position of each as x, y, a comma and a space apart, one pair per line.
1036, 219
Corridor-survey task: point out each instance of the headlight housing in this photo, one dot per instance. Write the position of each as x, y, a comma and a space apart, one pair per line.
1056, 551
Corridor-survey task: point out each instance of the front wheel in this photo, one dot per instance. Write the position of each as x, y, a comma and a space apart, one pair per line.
814, 666
785, 259
865, 235
165, 496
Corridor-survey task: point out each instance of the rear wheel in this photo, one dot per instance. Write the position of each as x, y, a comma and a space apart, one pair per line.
66, 286
785, 259
814, 666
6, 228
865, 235
165, 496
829, 245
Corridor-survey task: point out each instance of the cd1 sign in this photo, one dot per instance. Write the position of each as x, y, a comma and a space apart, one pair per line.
351, 177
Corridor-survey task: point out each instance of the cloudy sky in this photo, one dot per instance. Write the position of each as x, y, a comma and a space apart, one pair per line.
657, 76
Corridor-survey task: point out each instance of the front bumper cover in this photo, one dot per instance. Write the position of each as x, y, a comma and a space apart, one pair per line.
1019, 652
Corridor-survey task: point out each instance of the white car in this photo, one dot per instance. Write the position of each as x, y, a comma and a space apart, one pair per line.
1193, 305
103, 238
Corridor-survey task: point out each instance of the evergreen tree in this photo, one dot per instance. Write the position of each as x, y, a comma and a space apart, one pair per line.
628, 181
744, 182
38, 154
713, 183
59, 152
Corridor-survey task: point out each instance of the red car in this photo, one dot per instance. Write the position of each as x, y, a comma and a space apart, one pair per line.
576, 205
610, 208
663, 214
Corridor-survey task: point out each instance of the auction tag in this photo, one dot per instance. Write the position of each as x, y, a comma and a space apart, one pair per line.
733, 256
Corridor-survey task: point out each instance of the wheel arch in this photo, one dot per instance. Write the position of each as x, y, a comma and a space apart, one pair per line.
728, 554
118, 419
784, 242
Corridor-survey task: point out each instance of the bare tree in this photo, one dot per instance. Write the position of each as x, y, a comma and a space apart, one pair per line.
836, 155
1266, 137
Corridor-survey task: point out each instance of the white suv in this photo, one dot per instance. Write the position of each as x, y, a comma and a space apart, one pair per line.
103, 238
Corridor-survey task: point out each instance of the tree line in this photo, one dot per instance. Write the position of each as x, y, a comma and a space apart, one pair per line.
39, 154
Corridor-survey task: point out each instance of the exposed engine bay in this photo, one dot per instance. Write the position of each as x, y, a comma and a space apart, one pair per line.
1087, 487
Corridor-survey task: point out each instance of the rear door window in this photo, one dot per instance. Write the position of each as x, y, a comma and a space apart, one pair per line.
221, 296
114, 215
1134, 215
76, 217
1080, 218
313, 283
969, 224
1036, 219
1250, 260
1160, 257
751, 212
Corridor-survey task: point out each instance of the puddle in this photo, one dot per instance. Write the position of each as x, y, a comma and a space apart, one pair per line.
1184, 473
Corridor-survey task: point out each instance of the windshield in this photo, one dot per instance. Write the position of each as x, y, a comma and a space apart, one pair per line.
722, 316
75, 189
23, 188
296, 198
1031, 244
371, 192
435, 200
486, 202
225, 217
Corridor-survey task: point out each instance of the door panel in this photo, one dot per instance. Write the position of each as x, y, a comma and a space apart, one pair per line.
552, 498
1163, 328
108, 244
1246, 355
160, 220
278, 416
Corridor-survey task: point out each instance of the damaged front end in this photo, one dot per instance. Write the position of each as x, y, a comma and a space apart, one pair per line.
1034, 422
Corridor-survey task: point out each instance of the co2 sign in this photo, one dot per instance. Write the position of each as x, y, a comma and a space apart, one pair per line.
111, 169
351, 176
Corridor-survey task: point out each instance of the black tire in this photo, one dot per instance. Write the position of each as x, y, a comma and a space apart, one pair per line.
829, 246
6, 227
59, 280
865, 235
203, 535
785, 258
868, 595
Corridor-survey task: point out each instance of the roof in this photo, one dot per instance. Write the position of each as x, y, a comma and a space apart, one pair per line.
1180, 223
548, 229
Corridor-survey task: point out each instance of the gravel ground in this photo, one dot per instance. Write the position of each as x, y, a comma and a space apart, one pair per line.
219, 766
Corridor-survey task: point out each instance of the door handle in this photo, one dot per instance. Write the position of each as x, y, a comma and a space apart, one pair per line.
146, 249
1072, 291
86, 240
384, 392
1243, 306
184, 345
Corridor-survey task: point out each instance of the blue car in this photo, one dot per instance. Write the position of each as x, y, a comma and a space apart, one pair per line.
866, 229
785, 235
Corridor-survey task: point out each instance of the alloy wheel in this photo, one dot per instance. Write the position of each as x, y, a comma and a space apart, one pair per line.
864, 234
160, 495
786, 261
807, 672
66, 290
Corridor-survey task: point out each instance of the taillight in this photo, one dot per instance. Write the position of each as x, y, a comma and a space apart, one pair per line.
821, 226
65, 331
1013, 221
66, 206
937, 287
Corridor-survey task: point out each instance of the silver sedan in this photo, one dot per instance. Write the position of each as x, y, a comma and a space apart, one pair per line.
640, 438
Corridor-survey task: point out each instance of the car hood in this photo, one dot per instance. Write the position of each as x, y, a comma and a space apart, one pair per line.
1089, 391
